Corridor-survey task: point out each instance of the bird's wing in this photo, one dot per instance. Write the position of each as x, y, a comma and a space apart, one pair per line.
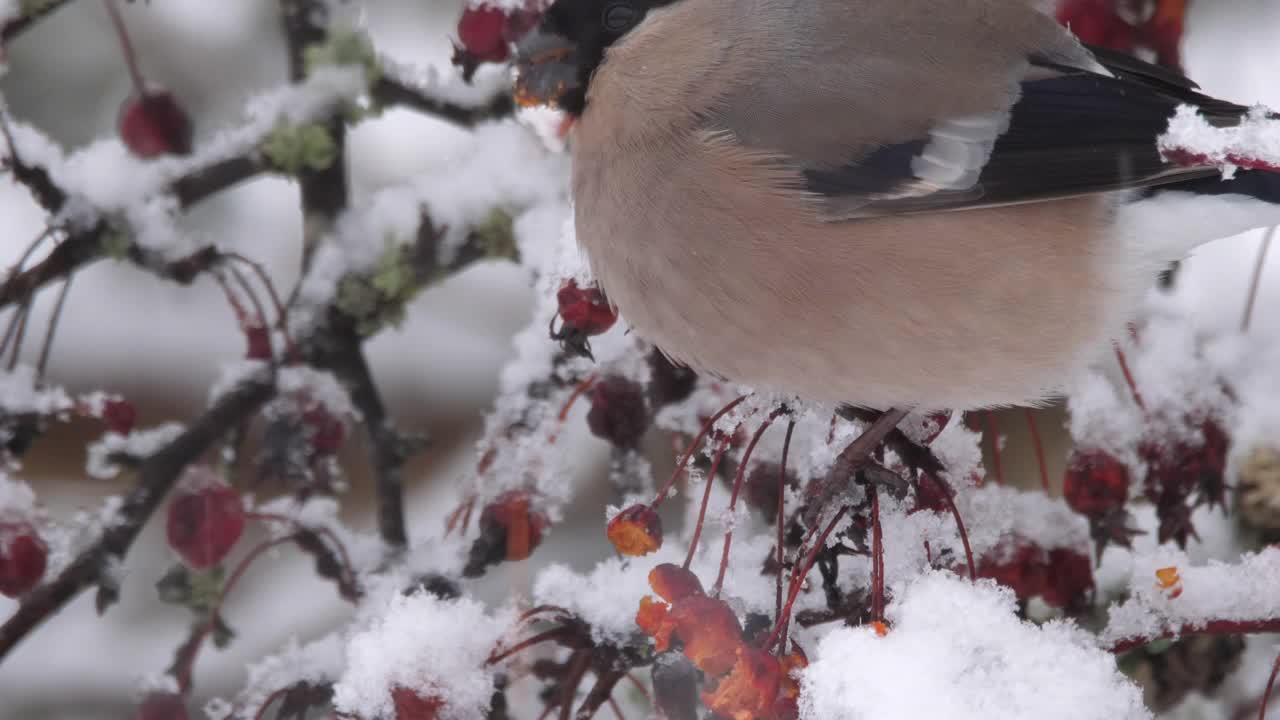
1021, 120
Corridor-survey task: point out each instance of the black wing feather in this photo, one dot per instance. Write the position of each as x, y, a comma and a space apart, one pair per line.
1075, 132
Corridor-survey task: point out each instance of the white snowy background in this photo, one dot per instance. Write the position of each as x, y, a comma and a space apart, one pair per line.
127, 331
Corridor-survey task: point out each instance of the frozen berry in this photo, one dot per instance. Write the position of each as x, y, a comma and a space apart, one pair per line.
119, 416
635, 531
618, 411
162, 706
206, 518
673, 582
482, 30
23, 556
412, 706
154, 124
1095, 483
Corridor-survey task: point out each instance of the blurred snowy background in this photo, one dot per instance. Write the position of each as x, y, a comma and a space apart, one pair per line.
163, 345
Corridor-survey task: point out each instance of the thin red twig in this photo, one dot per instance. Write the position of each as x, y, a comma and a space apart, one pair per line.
563, 415
684, 461
877, 557
552, 634
262, 709
782, 515
1213, 627
1266, 694
797, 580
733, 498
126, 47
1128, 378
706, 497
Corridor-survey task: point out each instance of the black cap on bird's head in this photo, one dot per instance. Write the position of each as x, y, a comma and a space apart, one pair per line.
556, 60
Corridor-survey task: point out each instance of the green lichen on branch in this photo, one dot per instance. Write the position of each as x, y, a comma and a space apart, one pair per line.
345, 48
378, 298
291, 149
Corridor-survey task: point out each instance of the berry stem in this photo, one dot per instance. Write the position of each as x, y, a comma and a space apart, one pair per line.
697, 440
187, 655
282, 312
989, 419
797, 581
1038, 445
960, 528
706, 497
126, 47
338, 545
733, 498
563, 415
877, 557
1128, 378
554, 633
782, 516
1266, 694
1213, 627
274, 696
1258, 266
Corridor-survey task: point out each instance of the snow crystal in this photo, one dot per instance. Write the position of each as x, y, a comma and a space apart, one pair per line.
1256, 138
608, 595
137, 444
1247, 590
957, 650
434, 647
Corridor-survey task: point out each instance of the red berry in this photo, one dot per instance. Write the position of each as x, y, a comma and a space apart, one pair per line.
206, 519
1022, 570
154, 124
1068, 579
23, 556
1095, 483
618, 411
119, 415
586, 311
522, 20
481, 31
931, 494
635, 531
412, 706
327, 430
162, 706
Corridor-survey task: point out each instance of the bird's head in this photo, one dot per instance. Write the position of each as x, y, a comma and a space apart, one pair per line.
556, 60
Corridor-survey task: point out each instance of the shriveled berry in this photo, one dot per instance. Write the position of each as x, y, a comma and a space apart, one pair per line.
618, 412
154, 124
206, 518
751, 687
706, 626
23, 557
482, 32
1095, 482
412, 706
635, 531
673, 582
510, 530
162, 706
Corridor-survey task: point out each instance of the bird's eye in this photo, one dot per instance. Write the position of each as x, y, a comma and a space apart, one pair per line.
620, 17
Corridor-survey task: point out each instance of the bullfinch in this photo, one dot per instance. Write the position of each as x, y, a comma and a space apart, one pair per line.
885, 203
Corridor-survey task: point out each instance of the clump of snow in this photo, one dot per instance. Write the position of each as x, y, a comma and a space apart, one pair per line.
17, 500
957, 650
20, 393
998, 515
364, 550
1255, 140
437, 648
137, 444
317, 662
1246, 590
318, 385
608, 595
234, 374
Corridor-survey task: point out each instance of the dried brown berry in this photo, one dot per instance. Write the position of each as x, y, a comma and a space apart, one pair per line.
673, 582
635, 531
618, 411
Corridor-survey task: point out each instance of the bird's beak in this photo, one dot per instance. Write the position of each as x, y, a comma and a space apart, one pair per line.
547, 68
